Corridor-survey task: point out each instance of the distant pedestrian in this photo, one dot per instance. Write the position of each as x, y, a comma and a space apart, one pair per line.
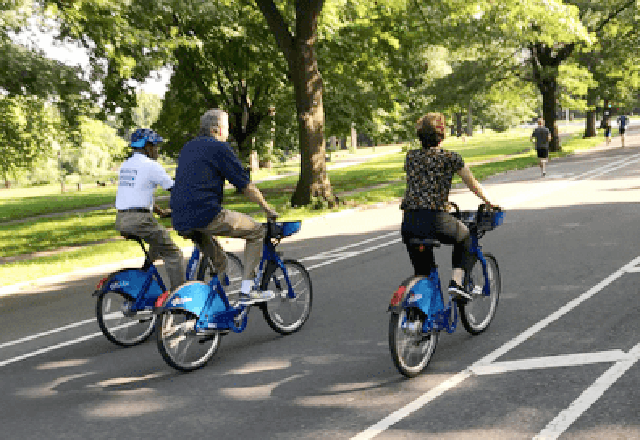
606, 125
622, 120
541, 135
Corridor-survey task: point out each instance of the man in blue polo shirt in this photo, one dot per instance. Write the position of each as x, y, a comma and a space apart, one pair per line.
204, 164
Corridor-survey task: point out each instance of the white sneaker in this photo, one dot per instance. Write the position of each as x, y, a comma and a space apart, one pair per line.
255, 296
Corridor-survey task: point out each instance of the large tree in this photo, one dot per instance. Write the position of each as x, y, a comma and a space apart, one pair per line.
297, 39
509, 39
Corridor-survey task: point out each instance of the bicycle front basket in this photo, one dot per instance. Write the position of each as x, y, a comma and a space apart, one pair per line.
285, 229
290, 228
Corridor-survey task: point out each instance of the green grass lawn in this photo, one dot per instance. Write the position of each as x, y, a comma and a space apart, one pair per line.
77, 229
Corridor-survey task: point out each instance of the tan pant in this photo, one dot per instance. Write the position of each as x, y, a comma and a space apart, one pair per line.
160, 243
236, 225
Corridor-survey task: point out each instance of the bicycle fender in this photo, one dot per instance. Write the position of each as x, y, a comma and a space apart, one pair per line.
399, 297
128, 282
191, 297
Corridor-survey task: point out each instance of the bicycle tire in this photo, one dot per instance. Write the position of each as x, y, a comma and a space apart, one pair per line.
477, 314
180, 346
405, 344
234, 272
283, 314
136, 328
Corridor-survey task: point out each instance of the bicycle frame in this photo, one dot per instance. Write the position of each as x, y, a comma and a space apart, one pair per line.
209, 302
442, 317
144, 285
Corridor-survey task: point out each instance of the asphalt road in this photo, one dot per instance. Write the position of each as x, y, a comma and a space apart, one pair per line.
560, 359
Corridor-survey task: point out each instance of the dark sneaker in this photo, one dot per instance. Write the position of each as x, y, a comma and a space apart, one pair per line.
458, 292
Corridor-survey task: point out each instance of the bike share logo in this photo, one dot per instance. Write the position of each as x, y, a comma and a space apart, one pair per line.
119, 284
178, 301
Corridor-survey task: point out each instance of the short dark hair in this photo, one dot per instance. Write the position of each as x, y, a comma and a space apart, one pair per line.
430, 140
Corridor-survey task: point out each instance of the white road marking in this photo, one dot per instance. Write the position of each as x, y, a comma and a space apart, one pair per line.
458, 378
588, 397
491, 357
564, 360
50, 332
60, 345
333, 257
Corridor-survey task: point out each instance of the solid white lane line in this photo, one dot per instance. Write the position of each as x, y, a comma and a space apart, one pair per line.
460, 377
60, 345
353, 254
421, 401
564, 360
331, 252
589, 396
339, 257
48, 349
50, 332
556, 315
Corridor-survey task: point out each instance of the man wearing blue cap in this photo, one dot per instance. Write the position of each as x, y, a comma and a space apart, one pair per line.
138, 177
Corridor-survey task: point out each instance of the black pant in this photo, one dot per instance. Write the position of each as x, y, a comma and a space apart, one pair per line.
424, 223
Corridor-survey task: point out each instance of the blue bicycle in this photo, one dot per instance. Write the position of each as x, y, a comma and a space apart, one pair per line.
418, 311
126, 298
195, 316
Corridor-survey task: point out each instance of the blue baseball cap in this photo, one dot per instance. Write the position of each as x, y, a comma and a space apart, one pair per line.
141, 136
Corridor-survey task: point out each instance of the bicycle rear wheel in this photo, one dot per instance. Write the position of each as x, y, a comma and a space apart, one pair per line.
411, 350
119, 324
283, 314
179, 344
234, 272
477, 314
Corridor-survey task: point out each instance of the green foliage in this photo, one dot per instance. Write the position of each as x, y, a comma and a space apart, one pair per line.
147, 111
28, 126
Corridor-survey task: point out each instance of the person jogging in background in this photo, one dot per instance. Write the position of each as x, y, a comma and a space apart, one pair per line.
139, 176
430, 171
606, 125
542, 136
622, 120
204, 164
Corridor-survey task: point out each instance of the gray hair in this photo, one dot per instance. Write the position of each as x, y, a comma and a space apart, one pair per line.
212, 119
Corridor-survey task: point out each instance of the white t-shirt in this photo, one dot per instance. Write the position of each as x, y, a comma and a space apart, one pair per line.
138, 179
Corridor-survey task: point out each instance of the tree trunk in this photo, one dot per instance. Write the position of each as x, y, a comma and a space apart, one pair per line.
470, 121
314, 180
299, 51
459, 124
548, 91
590, 129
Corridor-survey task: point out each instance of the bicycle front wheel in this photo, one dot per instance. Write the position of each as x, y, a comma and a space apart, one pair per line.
179, 344
119, 324
283, 314
477, 314
411, 350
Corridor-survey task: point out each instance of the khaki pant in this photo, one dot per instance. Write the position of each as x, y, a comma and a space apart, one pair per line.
236, 225
160, 244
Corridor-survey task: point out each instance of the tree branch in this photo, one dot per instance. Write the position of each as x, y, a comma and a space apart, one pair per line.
279, 27
614, 14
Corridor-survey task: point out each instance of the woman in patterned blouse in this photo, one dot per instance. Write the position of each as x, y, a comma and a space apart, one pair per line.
429, 174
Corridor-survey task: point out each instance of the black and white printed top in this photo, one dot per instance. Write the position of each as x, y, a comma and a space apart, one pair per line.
429, 175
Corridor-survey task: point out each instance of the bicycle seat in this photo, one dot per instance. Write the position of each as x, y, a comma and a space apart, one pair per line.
431, 242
